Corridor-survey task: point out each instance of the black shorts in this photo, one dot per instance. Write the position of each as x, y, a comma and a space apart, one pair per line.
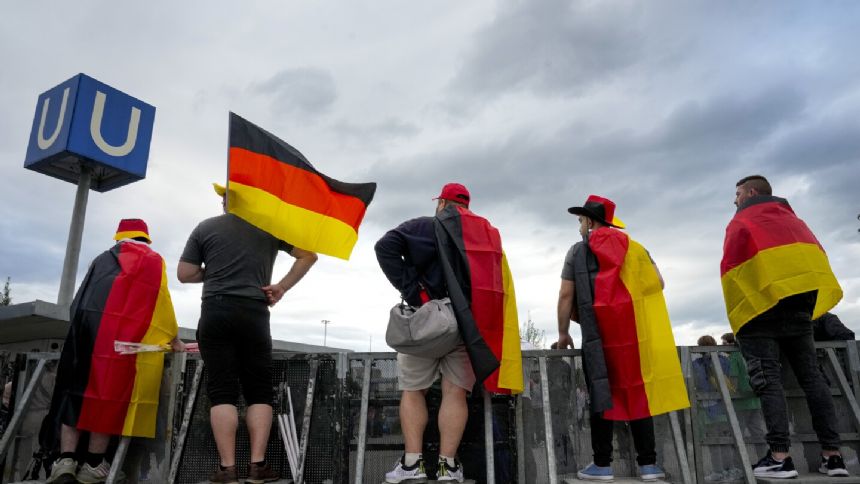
236, 347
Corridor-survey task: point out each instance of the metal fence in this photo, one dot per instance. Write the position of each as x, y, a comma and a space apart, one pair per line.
346, 413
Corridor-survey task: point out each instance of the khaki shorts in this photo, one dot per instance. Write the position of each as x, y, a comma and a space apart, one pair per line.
417, 373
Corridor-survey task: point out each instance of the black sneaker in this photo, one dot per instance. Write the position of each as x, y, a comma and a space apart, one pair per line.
770, 467
833, 466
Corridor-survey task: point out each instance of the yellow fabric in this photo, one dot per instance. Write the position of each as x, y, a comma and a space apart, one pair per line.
143, 407
219, 189
511, 366
758, 284
658, 356
130, 234
300, 227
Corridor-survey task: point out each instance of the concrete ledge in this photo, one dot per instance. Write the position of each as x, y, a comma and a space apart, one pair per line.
812, 479
35, 320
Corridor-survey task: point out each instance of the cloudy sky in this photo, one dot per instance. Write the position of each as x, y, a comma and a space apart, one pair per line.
660, 106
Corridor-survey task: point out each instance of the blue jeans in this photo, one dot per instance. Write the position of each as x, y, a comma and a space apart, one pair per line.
762, 341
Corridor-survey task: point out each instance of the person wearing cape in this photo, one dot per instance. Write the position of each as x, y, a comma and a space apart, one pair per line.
123, 297
776, 279
456, 254
612, 288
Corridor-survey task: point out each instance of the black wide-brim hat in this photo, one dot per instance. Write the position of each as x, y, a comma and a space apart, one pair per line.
600, 209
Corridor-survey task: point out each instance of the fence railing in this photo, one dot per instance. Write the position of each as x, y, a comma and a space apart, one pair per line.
346, 415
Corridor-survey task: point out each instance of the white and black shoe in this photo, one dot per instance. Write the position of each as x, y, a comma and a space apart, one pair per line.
770, 467
403, 473
448, 473
833, 466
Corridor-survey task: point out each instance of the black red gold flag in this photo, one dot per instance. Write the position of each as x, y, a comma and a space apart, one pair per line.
123, 297
482, 294
770, 254
275, 188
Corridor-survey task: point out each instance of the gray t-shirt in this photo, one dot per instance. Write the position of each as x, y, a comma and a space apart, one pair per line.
237, 256
567, 270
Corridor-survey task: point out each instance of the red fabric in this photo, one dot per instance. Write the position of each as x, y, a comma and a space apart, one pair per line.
616, 319
127, 316
132, 225
483, 246
760, 227
294, 186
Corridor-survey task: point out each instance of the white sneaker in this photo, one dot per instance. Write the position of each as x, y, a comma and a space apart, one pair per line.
63, 471
448, 473
403, 473
99, 473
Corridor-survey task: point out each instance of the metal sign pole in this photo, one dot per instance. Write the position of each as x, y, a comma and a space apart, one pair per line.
73, 246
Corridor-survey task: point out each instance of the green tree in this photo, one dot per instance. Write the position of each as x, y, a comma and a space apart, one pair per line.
530, 333
6, 298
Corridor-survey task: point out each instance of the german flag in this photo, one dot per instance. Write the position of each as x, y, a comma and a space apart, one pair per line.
275, 188
123, 297
638, 345
770, 254
482, 294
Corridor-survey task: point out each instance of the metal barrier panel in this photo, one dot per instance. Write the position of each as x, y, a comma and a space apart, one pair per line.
200, 457
716, 455
384, 439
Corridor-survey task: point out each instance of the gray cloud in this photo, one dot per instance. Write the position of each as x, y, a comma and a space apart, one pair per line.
550, 47
303, 92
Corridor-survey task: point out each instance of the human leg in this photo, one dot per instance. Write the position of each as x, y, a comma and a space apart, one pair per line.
643, 440
761, 352
799, 348
216, 342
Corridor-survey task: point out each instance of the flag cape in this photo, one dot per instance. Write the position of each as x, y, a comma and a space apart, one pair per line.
482, 294
123, 297
275, 188
641, 359
770, 254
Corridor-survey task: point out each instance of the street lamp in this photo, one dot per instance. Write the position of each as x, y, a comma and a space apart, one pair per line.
325, 323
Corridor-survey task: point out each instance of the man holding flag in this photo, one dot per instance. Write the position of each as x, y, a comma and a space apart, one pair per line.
455, 254
776, 278
612, 288
275, 200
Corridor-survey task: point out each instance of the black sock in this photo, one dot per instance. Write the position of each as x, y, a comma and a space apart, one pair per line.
262, 463
94, 459
67, 455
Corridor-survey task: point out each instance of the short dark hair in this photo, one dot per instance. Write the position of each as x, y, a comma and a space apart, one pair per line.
707, 340
729, 338
758, 182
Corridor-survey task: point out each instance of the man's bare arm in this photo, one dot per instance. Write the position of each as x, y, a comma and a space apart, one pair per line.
188, 272
303, 263
566, 312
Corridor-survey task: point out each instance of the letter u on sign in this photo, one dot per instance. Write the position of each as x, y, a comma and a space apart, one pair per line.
45, 143
96, 128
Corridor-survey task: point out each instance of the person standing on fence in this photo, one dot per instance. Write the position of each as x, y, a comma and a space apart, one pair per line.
123, 297
427, 258
612, 288
776, 278
234, 261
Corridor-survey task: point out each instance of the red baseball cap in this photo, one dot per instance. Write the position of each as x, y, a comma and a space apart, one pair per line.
130, 228
456, 193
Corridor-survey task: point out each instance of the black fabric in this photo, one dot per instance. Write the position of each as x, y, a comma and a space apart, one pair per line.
830, 328
236, 347
455, 267
246, 135
643, 440
408, 257
593, 359
757, 199
75, 360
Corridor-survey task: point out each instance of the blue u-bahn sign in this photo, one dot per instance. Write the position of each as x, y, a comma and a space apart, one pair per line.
85, 122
